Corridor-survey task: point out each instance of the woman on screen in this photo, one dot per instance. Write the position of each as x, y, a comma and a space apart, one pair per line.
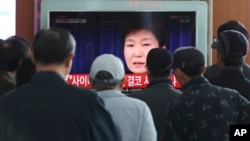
140, 34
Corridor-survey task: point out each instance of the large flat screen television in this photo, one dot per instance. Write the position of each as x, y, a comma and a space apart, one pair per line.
101, 27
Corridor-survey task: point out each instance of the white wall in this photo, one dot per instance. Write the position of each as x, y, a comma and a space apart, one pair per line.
7, 18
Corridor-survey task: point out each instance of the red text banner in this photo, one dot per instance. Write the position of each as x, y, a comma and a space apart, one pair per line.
131, 81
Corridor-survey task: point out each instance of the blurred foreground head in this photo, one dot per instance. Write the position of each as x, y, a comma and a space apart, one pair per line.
12, 51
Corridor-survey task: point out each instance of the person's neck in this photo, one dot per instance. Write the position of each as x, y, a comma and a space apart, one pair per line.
54, 68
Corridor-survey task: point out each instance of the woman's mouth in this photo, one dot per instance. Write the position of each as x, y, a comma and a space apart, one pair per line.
139, 64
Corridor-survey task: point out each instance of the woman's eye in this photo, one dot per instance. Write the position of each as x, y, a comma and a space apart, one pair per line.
129, 45
146, 44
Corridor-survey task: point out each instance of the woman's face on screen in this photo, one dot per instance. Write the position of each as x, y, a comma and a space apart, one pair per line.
136, 47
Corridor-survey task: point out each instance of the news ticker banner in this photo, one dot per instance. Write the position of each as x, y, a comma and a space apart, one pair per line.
139, 81
239, 133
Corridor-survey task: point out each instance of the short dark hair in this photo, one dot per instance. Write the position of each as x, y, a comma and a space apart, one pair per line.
159, 62
146, 20
103, 75
52, 46
12, 51
21, 38
233, 25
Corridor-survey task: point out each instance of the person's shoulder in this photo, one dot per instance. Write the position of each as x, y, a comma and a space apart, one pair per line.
153, 90
246, 70
212, 71
9, 95
246, 66
176, 92
213, 67
138, 103
137, 94
224, 91
79, 90
134, 99
149, 93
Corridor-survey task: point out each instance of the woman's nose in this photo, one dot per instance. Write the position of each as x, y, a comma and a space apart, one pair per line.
138, 52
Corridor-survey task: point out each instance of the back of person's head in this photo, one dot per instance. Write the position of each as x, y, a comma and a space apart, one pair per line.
52, 46
25, 72
233, 25
21, 38
106, 72
189, 60
159, 62
149, 21
12, 51
232, 46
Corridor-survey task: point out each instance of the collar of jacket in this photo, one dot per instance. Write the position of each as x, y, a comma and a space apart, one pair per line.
160, 82
195, 83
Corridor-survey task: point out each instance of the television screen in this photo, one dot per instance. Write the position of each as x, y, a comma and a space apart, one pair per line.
102, 32
115, 27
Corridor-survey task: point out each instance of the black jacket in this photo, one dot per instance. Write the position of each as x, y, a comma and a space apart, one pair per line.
204, 112
49, 109
215, 70
234, 79
158, 94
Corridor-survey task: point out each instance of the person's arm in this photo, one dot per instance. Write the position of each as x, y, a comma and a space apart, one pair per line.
148, 131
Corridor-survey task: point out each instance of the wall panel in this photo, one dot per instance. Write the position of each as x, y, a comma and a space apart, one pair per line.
25, 18
224, 10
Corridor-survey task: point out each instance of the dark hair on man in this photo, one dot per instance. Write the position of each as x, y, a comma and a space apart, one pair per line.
21, 38
146, 20
52, 46
159, 62
102, 76
12, 51
233, 25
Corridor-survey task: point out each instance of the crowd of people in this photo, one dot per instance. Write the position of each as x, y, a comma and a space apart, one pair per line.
37, 104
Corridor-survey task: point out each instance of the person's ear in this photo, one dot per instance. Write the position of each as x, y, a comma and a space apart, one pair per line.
150, 77
91, 81
220, 59
69, 60
181, 77
32, 57
204, 70
121, 83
